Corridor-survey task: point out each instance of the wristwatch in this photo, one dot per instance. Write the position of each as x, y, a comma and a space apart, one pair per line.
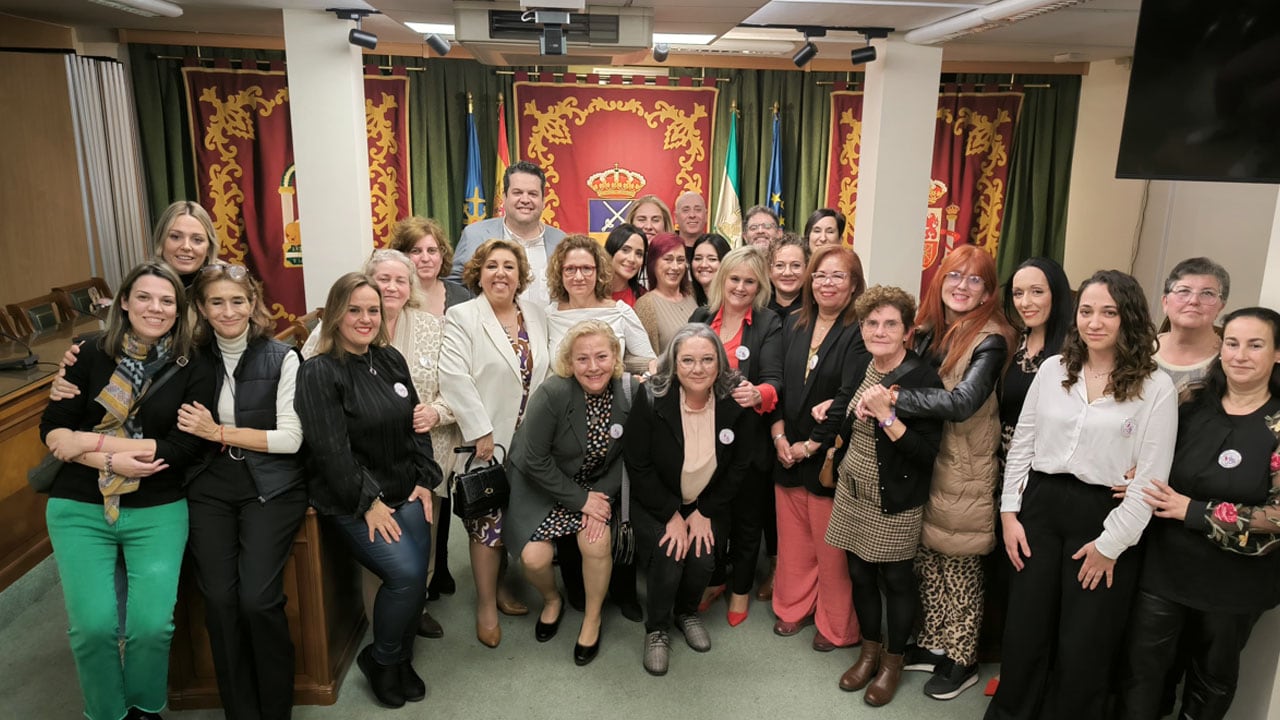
893, 417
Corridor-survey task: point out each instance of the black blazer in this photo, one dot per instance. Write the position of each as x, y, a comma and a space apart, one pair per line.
654, 453
763, 366
905, 466
831, 378
158, 417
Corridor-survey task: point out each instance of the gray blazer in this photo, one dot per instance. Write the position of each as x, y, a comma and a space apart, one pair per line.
475, 235
547, 451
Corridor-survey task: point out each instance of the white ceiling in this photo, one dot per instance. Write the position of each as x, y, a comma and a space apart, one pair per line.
1095, 30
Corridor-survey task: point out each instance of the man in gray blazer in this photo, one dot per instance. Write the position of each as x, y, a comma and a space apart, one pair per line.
523, 202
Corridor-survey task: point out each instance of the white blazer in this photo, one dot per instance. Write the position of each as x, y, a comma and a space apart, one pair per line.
480, 373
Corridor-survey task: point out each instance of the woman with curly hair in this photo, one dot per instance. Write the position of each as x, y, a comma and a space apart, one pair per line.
1092, 413
1215, 532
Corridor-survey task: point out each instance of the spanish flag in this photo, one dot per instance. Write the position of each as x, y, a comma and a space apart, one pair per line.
504, 161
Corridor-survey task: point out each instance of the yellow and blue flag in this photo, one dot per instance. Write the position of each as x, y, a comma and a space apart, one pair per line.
473, 204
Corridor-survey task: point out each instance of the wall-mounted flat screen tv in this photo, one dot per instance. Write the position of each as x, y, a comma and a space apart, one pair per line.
1204, 94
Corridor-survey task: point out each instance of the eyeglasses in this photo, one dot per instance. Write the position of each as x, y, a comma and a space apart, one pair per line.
836, 278
1184, 294
760, 227
235, 272
689, 362
974, 281
781, 267
583, 270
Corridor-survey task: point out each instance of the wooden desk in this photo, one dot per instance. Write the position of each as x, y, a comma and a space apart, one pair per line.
326, 623
24, 540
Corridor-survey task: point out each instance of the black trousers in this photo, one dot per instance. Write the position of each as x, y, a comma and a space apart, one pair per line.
1061, 641
1216, 640
901, 596
673, 587
736, 559
240, 546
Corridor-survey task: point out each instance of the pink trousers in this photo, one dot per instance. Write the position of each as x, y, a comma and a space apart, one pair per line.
812, 577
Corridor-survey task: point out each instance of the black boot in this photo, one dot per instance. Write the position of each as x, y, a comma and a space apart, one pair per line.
414, 688
384, 680
442, 582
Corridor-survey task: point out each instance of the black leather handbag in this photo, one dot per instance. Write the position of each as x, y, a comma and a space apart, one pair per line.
480, 491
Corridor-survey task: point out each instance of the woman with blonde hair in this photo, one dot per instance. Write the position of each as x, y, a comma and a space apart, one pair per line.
566, 476
738, 311
493, 357
651, 214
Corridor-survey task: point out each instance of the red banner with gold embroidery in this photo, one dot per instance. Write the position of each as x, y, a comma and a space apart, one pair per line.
602, 146
845, 154
971, 145
243, 145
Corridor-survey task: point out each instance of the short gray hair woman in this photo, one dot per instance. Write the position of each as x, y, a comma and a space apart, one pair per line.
685, 467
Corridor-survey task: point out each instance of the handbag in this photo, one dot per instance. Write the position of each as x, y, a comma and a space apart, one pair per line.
835, 454
41, 477
624, 536
482, 490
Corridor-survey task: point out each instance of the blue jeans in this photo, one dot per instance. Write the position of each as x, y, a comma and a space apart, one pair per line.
402, 567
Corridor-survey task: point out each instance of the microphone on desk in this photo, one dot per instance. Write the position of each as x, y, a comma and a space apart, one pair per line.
19, 363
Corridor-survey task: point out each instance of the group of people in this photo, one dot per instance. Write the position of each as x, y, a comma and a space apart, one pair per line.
901, 465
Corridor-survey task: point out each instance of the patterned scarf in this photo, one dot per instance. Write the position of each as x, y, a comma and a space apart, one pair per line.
137, 365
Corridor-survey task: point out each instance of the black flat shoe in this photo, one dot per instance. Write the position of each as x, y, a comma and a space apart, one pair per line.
137, 714
384, 680
584, 654
429, 627
545, 631
412, 685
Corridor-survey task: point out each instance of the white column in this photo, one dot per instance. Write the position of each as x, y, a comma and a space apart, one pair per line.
899, 110
330, 147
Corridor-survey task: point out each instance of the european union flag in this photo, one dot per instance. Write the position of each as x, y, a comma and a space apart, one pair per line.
473, 205
774, 201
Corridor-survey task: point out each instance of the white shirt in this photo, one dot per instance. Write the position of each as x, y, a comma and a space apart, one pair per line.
536, 250
1060, 431
632, 336
287, 437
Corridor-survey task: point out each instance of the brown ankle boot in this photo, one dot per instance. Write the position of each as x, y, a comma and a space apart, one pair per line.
861, 672
882, 689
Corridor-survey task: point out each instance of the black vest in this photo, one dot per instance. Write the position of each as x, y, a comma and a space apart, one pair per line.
257, 377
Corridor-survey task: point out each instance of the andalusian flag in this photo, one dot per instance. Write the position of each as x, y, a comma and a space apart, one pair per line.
729, 207
473, 206
504, 162
775, 202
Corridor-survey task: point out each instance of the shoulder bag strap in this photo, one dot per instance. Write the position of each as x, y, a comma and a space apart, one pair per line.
907, 365
169, 371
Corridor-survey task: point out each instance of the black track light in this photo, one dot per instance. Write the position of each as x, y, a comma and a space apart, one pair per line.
363, 39
804, 54
862, 55
661, 51
438, 43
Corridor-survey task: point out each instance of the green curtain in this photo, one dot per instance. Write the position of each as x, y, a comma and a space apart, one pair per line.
1035, 218
1036, 205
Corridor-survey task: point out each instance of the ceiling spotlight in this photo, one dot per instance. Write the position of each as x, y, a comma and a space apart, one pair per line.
862, 55
661, 51
439, 44
804, 54
357, 36
363, 39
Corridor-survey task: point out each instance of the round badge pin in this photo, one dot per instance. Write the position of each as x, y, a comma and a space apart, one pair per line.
1128, 427
813, 362
401, 390
424, 361
742, 353
1229, 458
615, 431
726, 436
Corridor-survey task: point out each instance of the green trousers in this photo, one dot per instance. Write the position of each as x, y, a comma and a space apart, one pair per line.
85, 547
